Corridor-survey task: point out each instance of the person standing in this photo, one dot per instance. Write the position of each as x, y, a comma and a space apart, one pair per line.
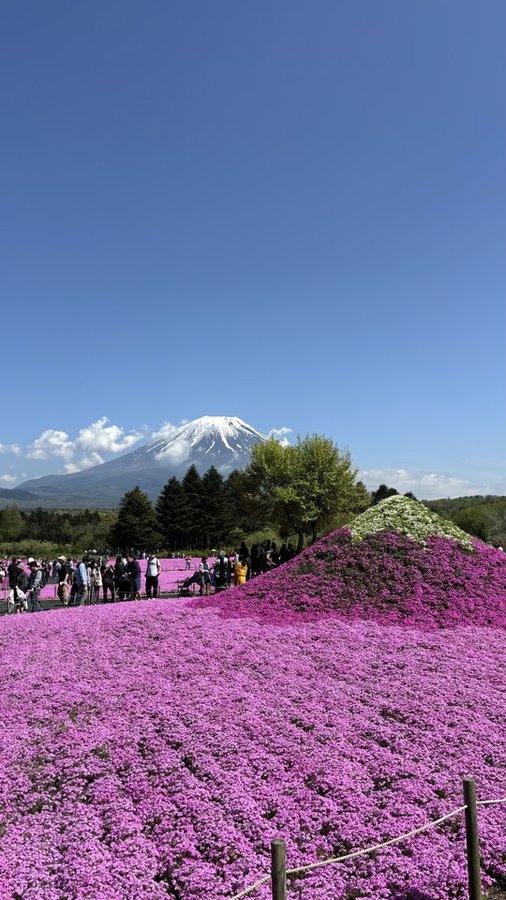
204, 576
12, 572
82, 582
108, 581
152, 575
95, 576
240, 570
34, 587
17, 598
133, 569
119, 571
64, 580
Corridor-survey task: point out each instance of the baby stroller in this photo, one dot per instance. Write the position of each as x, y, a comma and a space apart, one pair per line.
184, 588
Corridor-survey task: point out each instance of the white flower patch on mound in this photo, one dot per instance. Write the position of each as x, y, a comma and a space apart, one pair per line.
408, 517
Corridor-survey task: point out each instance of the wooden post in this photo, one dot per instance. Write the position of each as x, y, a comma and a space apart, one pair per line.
472, 842
278, 870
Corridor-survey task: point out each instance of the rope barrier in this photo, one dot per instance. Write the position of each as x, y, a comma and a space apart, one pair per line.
364, 852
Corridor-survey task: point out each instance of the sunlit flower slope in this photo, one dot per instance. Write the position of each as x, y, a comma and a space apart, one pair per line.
153, 750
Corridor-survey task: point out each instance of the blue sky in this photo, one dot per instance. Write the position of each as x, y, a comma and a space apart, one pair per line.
291, 212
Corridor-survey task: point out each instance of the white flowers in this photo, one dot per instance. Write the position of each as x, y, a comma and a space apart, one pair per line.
408, 517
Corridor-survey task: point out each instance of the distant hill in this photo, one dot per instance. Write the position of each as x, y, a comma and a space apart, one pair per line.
11, 495
482, 516
221, 441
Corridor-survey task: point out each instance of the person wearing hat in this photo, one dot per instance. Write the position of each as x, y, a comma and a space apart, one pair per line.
64, 579
34, 586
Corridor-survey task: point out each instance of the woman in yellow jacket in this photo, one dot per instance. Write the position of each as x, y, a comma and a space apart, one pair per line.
240, 570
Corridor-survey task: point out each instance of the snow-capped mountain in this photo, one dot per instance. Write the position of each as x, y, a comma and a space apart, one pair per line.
221, 441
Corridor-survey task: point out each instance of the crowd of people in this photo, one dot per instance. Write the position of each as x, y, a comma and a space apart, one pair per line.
99, 579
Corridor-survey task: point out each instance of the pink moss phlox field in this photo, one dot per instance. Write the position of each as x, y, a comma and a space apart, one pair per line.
387, 578
154, 750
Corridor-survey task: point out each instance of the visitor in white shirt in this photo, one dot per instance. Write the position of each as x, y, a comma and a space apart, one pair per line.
152, 573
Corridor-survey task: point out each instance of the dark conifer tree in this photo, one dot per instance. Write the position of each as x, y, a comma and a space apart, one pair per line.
170, 511
214, 509
382, 493
135, 527
192, 515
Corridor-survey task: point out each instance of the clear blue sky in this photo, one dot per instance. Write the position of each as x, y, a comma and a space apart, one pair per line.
293, 212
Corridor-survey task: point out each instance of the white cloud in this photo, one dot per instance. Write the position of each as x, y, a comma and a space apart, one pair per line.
98, 438
93, 459
10, 448
281, 435
177, 451
9, 479
165, 432
51, 443
425, 485
103, 437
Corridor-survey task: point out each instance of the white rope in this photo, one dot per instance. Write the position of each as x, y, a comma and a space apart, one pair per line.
251, 888
397, 840
337, 859
490, 802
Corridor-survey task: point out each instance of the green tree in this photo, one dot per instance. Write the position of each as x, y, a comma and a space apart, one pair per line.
476, 520
170, 507
382, 493
308, 489
135, 526
192, 514
12, 524
216, 520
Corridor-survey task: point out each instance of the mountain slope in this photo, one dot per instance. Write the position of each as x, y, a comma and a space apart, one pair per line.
221, 441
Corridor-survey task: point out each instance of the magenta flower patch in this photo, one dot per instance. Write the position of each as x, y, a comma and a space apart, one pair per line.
153, 750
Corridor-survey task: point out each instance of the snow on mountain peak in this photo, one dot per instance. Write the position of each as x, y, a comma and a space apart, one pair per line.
226, 438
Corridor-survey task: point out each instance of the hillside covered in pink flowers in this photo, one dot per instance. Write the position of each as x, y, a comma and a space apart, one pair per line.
154, 750
386, 578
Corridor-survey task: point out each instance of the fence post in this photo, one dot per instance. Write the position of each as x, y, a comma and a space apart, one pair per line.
472, 842
278, 870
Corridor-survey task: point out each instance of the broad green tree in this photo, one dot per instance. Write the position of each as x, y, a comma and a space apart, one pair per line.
135, 526
308, 488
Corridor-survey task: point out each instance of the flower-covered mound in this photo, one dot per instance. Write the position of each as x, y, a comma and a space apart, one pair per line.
154, 750
386, 577
406, 516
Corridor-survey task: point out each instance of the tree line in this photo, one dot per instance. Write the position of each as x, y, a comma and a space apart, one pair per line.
300, 491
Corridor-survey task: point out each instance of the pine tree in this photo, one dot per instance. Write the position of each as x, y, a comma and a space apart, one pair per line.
135, 527
214, 508
170, 507
192, 515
